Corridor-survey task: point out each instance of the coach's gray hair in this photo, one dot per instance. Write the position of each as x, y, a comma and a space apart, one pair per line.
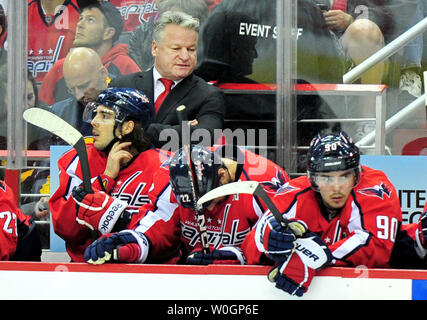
178, 18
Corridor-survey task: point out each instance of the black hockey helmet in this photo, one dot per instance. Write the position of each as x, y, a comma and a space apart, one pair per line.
332, 152
205, 164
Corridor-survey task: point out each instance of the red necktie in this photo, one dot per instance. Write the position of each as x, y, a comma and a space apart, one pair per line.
340, 5
168, 84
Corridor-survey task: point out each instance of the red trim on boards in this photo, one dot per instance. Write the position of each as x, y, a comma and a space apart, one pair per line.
208, 270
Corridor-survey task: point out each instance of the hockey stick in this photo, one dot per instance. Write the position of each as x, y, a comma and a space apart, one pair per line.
247, 187
198, 209
56, 125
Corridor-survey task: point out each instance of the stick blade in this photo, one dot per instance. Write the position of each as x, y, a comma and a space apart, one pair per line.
247, 187
52, 123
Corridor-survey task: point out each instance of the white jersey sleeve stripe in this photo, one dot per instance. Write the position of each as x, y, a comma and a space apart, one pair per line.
164, 211
358, 239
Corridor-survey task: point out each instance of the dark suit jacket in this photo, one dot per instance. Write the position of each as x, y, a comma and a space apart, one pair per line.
204, 102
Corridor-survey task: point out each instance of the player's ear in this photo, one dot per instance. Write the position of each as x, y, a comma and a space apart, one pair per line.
128, 127
109, 33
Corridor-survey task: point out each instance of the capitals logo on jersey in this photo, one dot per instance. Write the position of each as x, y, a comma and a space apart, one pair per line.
135, 10
217, 238
275, 184
378, 190
40, 61
285, 189
132, 191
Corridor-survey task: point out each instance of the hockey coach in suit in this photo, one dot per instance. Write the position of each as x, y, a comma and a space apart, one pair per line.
171, 82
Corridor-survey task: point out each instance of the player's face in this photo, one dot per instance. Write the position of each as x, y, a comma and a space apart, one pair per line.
90, 28
103, 127
335, 187
225, 177
176, 54
85, 87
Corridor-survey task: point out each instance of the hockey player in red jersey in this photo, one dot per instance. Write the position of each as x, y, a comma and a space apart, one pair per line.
169, 225
122, 164
19, 239
352, 211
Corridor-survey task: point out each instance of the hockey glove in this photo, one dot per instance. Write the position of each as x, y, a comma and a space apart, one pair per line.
224, 255
125, 246
276, 241
295, 274
97, 211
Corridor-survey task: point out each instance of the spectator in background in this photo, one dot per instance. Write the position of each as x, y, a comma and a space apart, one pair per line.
175, 56
412, 55
85, 77
142, 37
51, 30
99, 27
363, 28
135, 13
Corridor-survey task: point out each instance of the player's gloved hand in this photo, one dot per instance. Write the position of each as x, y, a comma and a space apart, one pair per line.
276, 241
125, 246
295, 274
224, 255
98, 210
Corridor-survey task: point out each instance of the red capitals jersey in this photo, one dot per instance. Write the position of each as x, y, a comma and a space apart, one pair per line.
10, 216
363, 233
169, 225
135, 12
49, 37
131, 185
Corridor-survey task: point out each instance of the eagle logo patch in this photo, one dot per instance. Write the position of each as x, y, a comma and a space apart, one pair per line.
378, 190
